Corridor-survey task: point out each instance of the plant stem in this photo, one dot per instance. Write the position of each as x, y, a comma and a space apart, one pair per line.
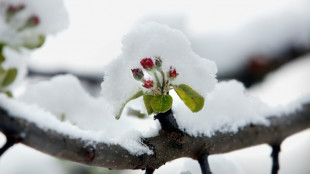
167, 121
164, 81
157, 79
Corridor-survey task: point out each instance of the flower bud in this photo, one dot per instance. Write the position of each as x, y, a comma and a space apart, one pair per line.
148, 84
137, 73
147, 63
172, 73
158, 62
14, 9
33, 21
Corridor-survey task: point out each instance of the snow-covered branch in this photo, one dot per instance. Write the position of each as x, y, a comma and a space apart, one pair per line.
166, 146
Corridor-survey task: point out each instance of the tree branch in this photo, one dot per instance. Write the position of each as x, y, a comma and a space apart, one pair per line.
165, 146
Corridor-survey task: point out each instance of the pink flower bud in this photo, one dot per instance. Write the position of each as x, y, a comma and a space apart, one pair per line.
147, 63
172, 73
148, 84
158, 62
137, 73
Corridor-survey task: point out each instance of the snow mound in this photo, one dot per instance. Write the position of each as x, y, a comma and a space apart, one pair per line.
150, 40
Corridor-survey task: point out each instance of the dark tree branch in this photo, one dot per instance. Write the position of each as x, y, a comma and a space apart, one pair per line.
149, 171
204, 163
165, 147
260, 65
11, 139
275, 158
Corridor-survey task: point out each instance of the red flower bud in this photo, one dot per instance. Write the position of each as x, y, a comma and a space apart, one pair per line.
172, 73
137, 73
148, 84
147, 63
14, 9
33, 21
158, 62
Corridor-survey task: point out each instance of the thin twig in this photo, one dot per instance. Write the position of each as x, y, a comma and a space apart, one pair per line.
204, 163
275, 158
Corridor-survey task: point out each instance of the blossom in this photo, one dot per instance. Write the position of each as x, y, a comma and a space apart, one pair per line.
137, 73
147, 63
148, 84
172, 73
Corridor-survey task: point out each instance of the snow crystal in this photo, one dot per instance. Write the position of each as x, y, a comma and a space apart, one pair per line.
150, 40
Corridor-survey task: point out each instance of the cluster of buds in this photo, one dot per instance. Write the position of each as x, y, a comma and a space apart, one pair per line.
154, 67
13, 10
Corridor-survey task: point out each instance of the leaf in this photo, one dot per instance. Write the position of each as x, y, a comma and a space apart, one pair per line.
147, 102
38, 44
190, 97
9, 94
9, 78
161, 103
2, 71
2, 58
138, 94
135, 113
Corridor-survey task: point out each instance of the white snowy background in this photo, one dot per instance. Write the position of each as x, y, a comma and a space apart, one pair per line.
218, 30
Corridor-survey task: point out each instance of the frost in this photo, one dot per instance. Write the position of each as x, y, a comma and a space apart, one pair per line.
150, 40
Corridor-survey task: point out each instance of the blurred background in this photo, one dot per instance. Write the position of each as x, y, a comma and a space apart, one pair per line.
263, 43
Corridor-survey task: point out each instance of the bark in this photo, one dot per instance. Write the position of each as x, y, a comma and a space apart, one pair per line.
167, 145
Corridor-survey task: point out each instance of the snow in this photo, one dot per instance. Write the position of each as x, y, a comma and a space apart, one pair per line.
225, 102
23, 159
151, 40
227, 32
85, 117
63, 105
52, 19
18, 61
277, 90
228, 108
219, 164
266, 30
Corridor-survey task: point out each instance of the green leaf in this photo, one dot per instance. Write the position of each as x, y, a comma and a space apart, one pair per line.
161, 103
9, 78
2, 71
135, 113
38, 44
147, 102
9, 94
2, 58
138, 94
190, 97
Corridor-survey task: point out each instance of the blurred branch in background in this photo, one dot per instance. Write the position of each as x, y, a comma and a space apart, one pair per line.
257, 67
